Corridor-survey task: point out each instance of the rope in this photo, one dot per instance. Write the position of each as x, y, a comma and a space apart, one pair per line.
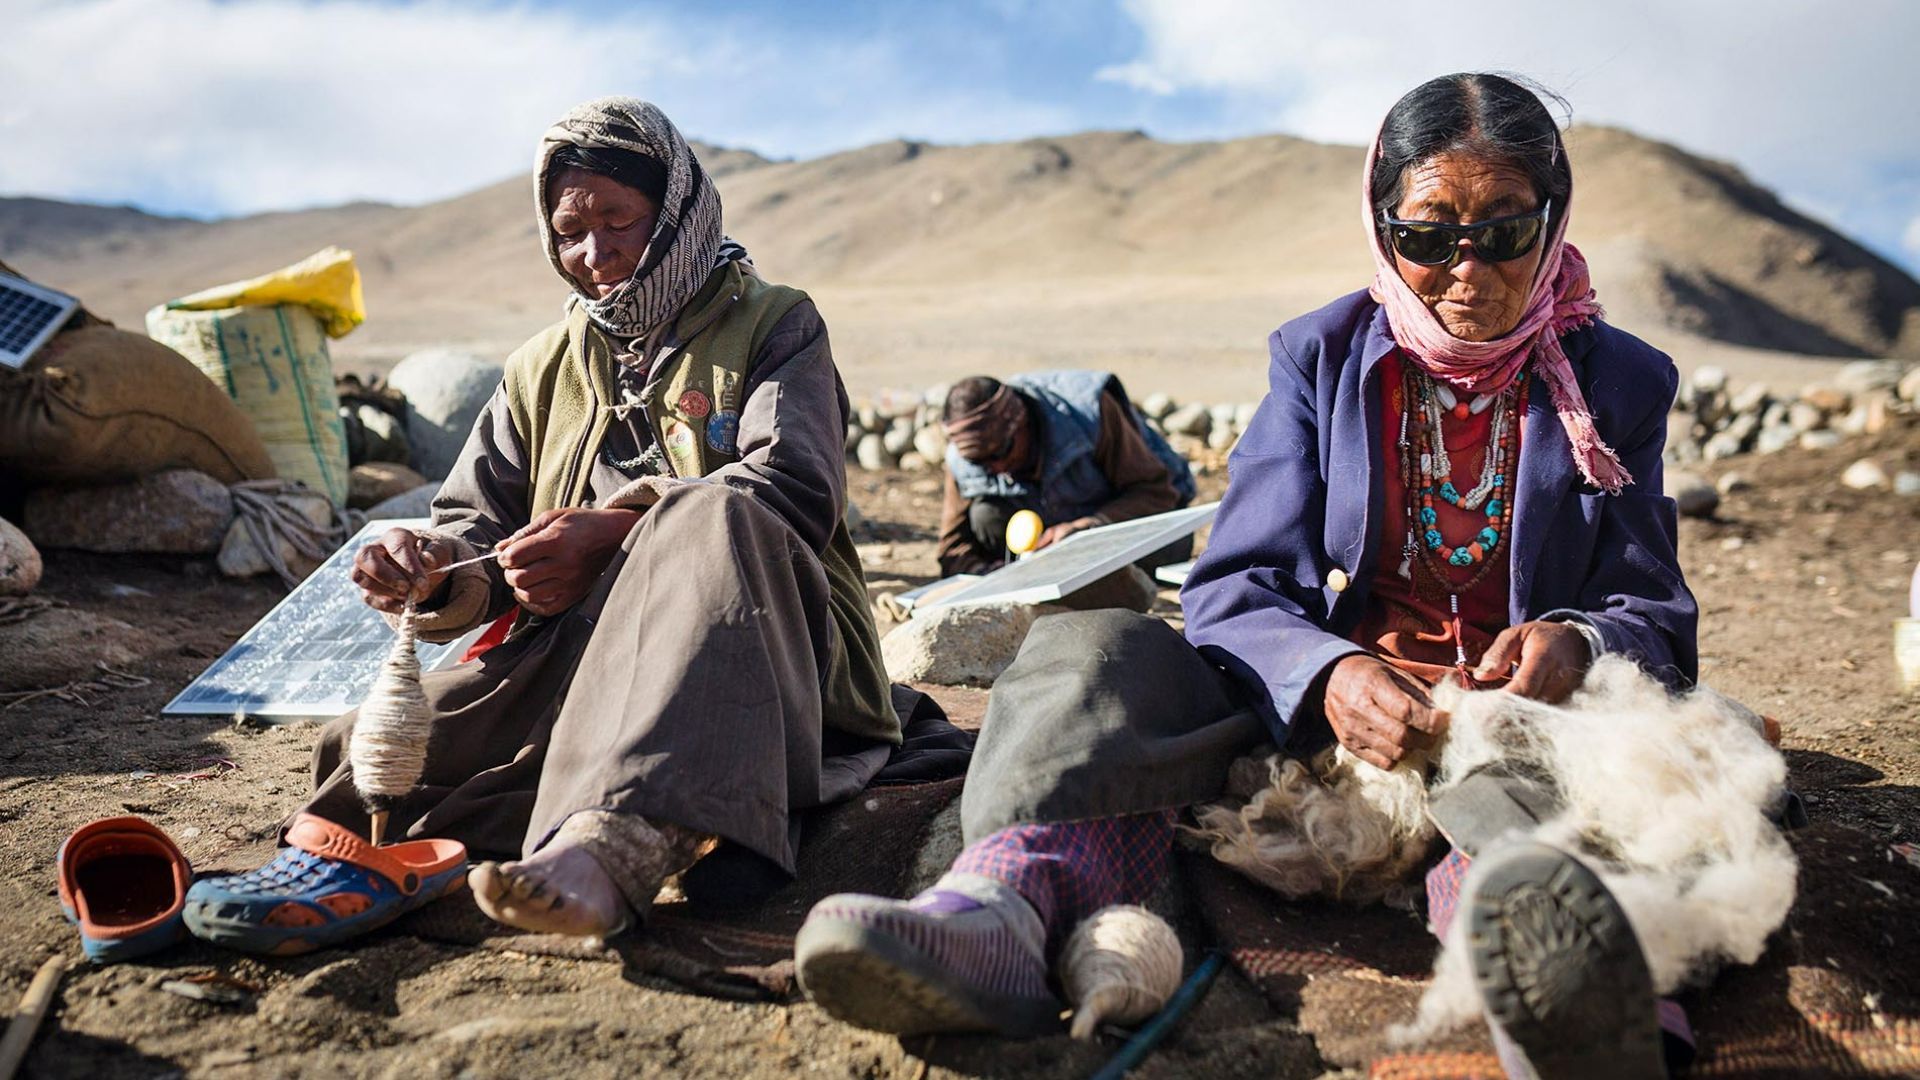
265, 509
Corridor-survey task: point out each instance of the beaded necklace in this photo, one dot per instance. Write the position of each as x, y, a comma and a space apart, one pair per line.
1426, 472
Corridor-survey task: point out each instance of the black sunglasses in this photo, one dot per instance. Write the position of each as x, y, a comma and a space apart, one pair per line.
1432, 243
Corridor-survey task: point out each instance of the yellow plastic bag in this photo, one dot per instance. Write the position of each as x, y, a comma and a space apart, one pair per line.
325, 283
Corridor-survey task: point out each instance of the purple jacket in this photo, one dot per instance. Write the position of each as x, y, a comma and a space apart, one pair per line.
1304, 501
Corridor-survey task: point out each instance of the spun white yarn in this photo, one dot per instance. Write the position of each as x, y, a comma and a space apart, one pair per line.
389, 746
1665, 796
1121, 964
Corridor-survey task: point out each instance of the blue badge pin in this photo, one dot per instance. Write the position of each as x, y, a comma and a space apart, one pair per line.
723, 431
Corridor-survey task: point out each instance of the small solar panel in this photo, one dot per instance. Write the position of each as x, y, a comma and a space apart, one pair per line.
29, 315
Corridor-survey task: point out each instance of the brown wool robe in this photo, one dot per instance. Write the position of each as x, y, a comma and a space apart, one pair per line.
686, 687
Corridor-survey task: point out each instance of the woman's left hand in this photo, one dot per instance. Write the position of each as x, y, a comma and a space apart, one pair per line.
1552, 659
552, 564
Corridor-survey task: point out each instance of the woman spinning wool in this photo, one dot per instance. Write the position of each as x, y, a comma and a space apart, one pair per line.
662, 478
1456, 473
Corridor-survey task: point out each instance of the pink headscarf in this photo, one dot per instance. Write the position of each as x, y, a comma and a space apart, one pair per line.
1561, 300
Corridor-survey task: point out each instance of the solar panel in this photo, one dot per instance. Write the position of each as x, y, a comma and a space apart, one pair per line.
315, 654
1079, 560
29, 315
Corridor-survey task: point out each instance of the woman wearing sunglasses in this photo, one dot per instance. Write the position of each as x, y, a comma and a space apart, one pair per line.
1456, 474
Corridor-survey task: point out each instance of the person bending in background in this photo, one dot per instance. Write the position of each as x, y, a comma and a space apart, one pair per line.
1067, 445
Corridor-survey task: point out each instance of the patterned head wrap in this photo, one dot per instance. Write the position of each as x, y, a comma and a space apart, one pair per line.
1561, 299
990, 428
686, 243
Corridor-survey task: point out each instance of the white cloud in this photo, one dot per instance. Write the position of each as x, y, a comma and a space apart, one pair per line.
1911, 241
232, 107
1814, 98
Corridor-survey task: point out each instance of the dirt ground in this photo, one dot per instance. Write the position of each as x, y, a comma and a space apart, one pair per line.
1798, 580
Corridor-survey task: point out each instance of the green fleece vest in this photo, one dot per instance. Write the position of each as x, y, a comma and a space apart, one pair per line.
559, 385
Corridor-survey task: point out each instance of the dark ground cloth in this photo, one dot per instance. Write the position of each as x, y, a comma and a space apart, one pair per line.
685, 689
1836, 994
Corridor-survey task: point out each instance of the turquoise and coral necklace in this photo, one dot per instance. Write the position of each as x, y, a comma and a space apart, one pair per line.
1426, 472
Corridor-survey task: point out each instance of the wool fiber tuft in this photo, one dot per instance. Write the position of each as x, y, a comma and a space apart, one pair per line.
1667, 797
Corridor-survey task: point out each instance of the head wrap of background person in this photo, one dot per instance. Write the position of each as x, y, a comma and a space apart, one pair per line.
989, 429
686, 243
1561, 299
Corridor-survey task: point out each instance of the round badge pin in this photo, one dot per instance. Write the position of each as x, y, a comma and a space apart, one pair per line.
723, 431
679, 436
695, 404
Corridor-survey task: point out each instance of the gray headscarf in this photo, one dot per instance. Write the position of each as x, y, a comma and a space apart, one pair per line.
686, 243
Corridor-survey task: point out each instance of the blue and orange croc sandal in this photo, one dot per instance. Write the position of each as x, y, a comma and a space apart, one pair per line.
124, 883
325, 887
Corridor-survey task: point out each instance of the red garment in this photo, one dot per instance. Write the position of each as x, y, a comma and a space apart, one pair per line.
1410, 619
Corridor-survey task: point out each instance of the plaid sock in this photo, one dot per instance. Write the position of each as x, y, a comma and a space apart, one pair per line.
1443, 896
1069, 870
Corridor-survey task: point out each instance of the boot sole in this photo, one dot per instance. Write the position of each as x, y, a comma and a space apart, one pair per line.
873, 980
1560, 970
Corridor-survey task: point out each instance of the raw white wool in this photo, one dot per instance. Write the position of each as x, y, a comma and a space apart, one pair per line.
389, 746
1121, 965
1665, 796
1334, 827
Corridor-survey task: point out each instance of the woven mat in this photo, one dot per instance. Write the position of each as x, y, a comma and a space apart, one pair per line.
1836, 994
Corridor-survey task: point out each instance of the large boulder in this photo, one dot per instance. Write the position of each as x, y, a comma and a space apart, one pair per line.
445, 389
20, 565
177, 512
957, 646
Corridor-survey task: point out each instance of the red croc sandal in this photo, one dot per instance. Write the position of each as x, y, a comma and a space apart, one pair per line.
124, 883
326, 886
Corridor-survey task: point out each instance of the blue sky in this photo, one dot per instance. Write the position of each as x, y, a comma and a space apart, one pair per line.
213, 107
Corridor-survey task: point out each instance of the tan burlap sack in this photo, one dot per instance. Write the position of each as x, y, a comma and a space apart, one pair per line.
100, 405
274, 363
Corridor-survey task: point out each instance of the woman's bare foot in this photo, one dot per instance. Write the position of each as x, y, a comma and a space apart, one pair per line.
557, 890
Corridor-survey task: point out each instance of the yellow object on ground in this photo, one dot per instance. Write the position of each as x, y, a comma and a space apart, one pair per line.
1023, 532
272, 359
326, 283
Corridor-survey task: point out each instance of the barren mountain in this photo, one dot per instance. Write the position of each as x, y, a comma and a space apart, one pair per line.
1166, 261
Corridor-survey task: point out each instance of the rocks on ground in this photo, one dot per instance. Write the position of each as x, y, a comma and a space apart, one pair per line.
20, 565
957, 646
177, 512
1695, 494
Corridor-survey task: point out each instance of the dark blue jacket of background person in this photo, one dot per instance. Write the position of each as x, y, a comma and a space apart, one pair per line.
1306, 498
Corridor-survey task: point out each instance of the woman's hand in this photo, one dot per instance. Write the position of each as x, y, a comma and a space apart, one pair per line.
402, 565
552, 564
1379, 712
1552, 659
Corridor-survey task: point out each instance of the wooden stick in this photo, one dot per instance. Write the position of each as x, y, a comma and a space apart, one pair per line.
375, 831
26, 1018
